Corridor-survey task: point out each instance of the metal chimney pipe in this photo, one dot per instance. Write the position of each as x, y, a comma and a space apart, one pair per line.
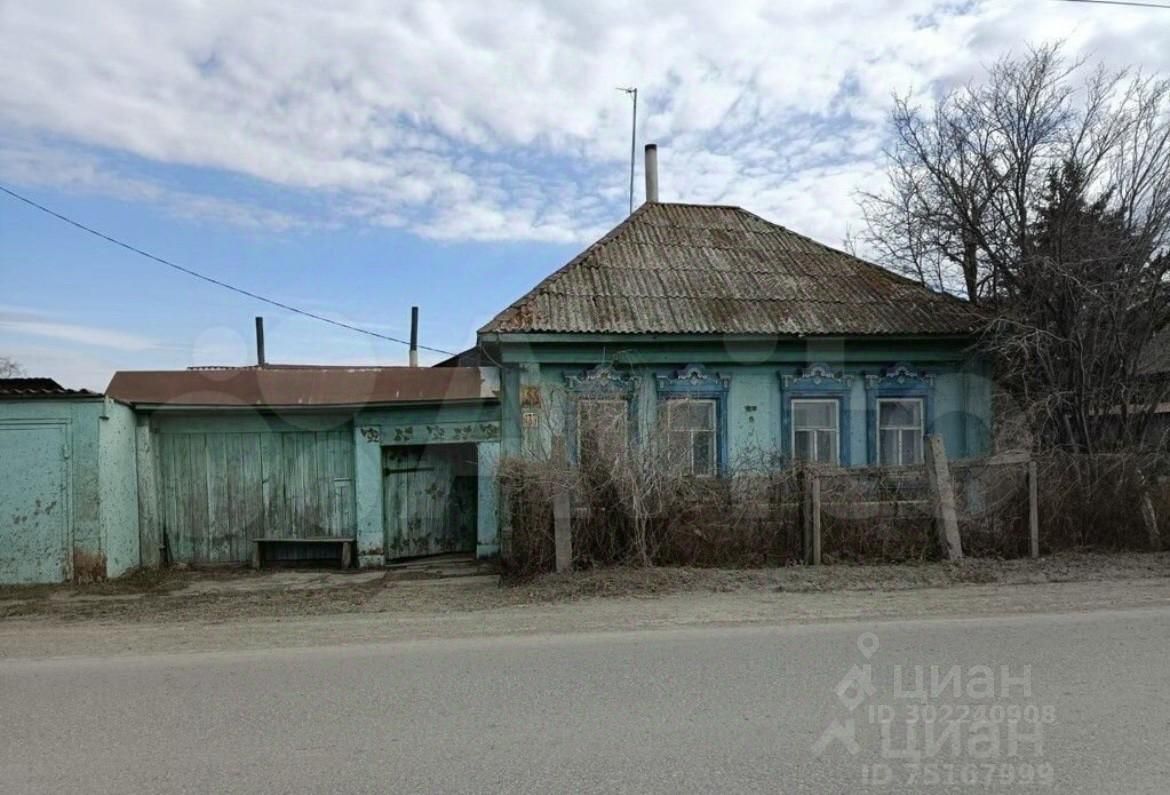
260, 342
414, 336
651, 172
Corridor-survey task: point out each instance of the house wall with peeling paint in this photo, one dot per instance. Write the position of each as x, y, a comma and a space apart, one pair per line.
118, 489
754, 381
67, 491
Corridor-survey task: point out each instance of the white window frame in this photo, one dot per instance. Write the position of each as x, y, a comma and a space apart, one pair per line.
920, 428
624, 405
836, 429
713, 403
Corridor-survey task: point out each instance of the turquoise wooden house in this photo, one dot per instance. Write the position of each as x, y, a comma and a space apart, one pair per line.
733, 341
740, 343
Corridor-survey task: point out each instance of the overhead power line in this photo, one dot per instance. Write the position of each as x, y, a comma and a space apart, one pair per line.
1134, 3
212, 280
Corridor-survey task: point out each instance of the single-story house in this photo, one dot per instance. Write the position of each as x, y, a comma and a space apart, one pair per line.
737, 340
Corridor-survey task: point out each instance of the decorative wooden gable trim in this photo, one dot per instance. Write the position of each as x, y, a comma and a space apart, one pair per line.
693, 380
602, 379
899, 378
817, 377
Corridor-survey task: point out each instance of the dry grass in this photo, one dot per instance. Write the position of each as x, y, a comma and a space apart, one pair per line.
219, 596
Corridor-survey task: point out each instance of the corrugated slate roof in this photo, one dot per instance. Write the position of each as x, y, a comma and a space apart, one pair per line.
291, 386
39, 388
688, 268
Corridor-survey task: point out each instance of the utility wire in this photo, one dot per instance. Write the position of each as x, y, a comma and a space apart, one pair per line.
211, 280
1134, 3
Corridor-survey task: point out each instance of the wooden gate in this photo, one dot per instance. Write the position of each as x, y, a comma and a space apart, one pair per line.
429, 499
34, 493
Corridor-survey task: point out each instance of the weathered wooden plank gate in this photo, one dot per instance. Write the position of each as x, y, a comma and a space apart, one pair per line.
429, 499
220, 489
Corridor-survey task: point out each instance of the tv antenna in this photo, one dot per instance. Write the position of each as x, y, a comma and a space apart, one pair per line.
633, 93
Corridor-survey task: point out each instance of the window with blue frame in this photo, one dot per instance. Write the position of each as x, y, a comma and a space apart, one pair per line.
600, 419
815, 415
900, 411
900, 431
693, 419
816, 435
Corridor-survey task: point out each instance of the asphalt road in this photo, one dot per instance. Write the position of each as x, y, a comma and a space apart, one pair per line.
696, 710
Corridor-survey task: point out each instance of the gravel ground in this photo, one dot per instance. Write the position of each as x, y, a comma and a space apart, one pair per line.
211, 596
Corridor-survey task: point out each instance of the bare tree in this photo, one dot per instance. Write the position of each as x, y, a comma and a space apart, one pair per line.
1042, 195
10, 368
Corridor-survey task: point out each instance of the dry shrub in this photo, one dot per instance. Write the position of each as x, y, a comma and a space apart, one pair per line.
1095, 501
876, 514
992, 506
742, 520
649, 516
635, 511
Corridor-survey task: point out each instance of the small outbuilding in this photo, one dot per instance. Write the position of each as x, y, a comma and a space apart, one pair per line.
400, 459
68, 496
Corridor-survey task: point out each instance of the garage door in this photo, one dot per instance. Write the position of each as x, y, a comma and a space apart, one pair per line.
34, 510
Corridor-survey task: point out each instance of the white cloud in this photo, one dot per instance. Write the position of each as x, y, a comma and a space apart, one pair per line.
499, 120
34, 324
26, 162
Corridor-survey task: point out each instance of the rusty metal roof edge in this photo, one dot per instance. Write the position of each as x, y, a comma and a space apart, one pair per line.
306, 407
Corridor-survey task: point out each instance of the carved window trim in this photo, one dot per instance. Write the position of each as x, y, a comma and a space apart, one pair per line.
694, 382
899, 380
602, 382
816, 381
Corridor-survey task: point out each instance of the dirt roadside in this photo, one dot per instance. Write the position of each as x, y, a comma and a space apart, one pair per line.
208, 611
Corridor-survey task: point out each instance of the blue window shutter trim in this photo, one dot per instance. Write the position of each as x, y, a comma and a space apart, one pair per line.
602, 382
898, 381
693, 381
816, 381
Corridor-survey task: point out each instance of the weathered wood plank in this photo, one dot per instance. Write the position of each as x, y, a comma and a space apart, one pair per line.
149, 500
1033, 510
942, 488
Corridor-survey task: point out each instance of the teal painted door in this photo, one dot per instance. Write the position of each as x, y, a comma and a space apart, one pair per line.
34, 510
429, 500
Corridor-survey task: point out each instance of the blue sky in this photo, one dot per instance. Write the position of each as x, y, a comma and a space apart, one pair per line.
354, 159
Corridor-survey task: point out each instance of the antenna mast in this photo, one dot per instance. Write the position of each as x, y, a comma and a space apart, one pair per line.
633, 92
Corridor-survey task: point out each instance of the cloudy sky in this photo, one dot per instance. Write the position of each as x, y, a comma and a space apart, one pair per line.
354, 158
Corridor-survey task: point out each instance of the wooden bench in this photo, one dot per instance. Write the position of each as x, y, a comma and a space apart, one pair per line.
346, 547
